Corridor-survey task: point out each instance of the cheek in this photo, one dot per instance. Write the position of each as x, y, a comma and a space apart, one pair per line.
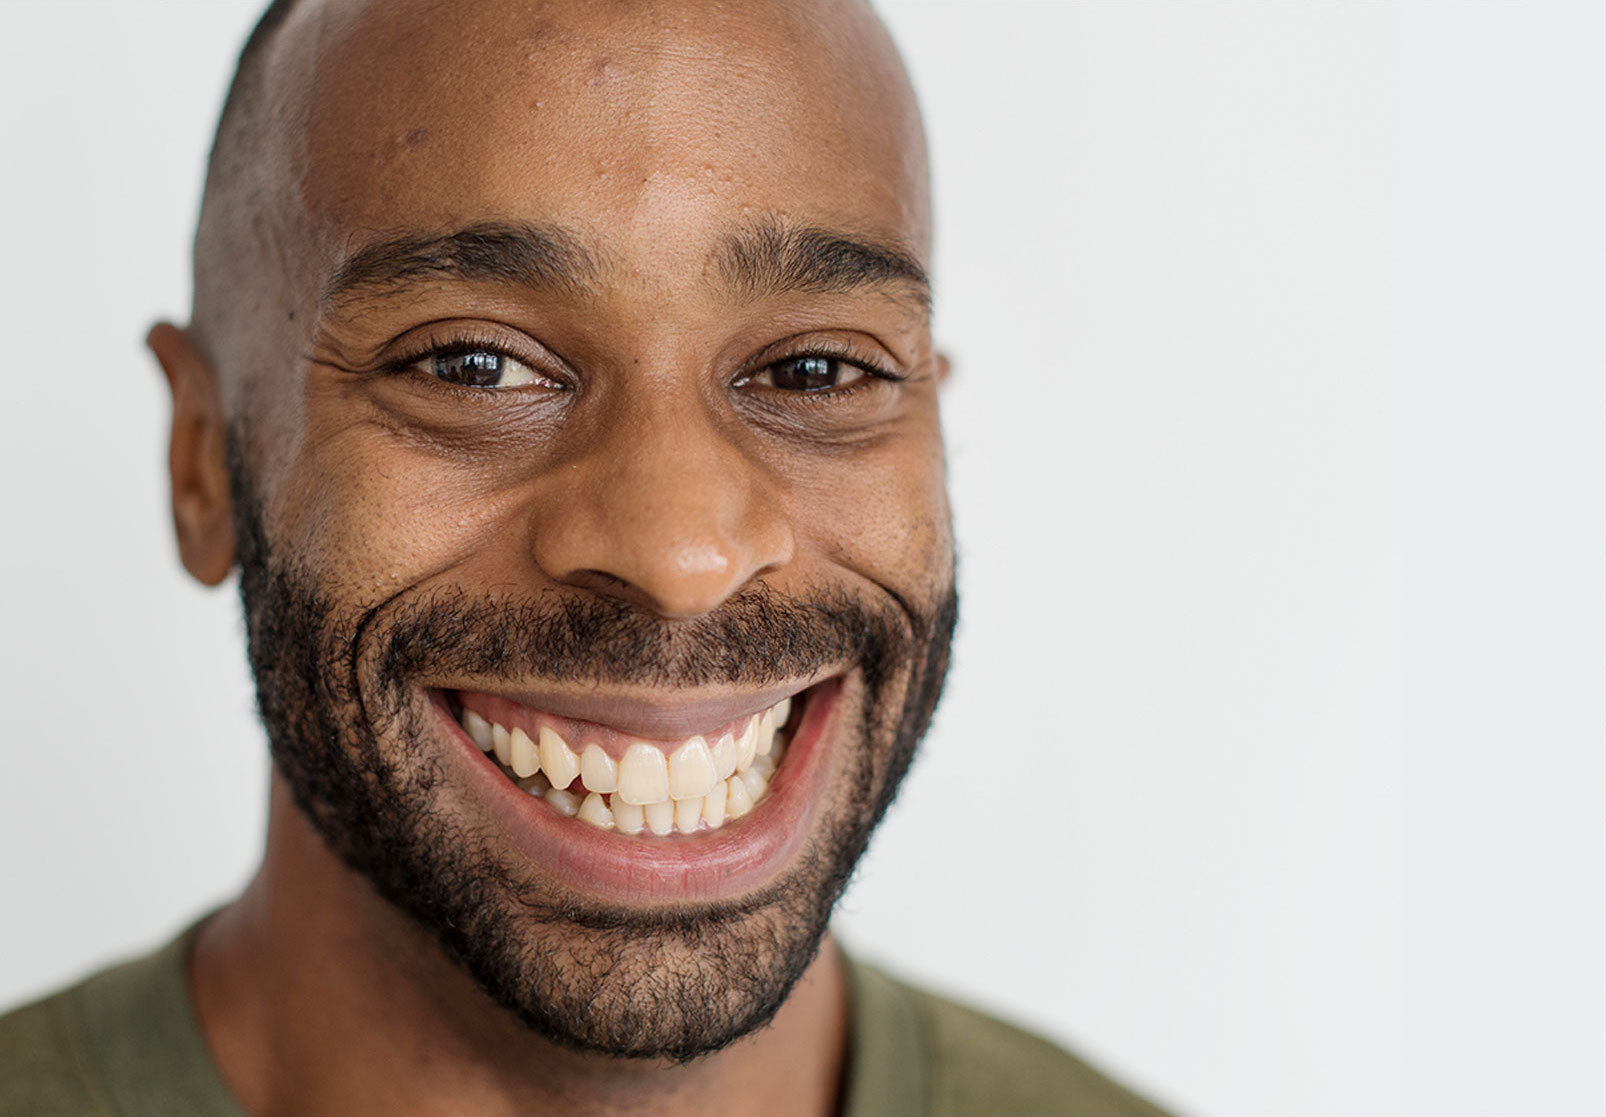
374, 507
882, 512
373, 514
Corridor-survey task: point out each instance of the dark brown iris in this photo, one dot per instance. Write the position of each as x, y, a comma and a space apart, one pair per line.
806, 374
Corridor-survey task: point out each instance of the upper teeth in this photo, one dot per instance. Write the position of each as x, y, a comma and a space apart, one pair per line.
557, 759
691, 770
643, 775
598, 771
695, 786
526, 762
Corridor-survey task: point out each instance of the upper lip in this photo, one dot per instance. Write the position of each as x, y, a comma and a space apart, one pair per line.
662, 714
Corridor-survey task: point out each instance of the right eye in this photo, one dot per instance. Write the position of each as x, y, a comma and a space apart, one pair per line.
480, 368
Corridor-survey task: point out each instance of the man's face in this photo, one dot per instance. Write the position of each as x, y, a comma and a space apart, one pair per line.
588, 411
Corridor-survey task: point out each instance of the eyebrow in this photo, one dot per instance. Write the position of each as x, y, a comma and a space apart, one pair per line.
773, 258
760, 261
541, 257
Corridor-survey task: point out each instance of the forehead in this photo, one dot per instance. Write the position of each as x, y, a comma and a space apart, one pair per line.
650, 128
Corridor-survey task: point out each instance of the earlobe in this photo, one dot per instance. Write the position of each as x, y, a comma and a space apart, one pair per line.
197, 458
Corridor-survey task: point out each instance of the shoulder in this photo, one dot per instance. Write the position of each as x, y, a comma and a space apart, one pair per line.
983, 1065
122, 1041
966, 1062
44, 1068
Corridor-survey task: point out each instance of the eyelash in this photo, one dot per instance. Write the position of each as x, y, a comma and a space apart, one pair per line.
834, 351
460, 343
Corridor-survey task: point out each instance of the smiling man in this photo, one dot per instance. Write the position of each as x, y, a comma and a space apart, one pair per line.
560, 381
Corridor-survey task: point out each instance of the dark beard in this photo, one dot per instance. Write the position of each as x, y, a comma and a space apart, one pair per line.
337, 696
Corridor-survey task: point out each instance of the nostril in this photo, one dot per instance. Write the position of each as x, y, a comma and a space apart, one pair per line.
601, 582
689, 596
681, 581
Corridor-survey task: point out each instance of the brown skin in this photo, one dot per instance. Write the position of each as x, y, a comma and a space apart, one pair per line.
652, 133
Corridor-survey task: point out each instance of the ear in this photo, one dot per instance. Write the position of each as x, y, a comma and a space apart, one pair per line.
196, 458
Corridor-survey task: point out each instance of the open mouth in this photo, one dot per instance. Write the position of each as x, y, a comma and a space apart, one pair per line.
613, 780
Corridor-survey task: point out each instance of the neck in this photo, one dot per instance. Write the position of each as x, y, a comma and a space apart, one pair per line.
316, 995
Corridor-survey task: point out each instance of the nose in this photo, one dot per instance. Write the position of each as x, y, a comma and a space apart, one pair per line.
661, 510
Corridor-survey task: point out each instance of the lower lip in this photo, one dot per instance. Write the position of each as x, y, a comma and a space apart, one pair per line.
636, 869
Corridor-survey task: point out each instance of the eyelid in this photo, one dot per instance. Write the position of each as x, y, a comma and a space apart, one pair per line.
446, 341
831, 349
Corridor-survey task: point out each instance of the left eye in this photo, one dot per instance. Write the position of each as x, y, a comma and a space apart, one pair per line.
813, 373
480, 368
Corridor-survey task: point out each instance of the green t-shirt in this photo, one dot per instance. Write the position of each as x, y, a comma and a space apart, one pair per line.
125, 1042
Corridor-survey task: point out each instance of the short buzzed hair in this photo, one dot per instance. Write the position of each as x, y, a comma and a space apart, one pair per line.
241, 106
231, 172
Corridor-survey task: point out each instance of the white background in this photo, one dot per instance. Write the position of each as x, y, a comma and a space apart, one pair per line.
1277, 452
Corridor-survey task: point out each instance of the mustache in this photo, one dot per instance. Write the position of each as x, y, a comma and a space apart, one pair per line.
756, 638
